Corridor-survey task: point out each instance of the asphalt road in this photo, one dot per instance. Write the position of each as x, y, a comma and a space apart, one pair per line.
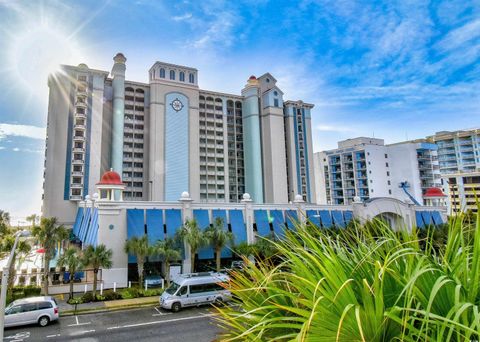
145, 324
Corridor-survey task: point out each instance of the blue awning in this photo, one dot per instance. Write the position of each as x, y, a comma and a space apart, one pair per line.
326, 218
84, 226
238, 225
173, 220
338, 218
226, 251
155, 232
437, 218
203, 221
427, 217
348, 215
278, 223
135, 227
419, 219
92, 228
263, 225
135, 223
78, 221
292, 218
313, 217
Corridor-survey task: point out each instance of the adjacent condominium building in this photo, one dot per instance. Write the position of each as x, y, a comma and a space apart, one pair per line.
367, 168
459, 158
168, 136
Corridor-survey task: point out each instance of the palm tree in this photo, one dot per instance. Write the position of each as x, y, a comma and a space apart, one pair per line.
72, 260
169, 252
48, 234
195, 238
4, 223
33, 219
97, 257
218, 238
23, 248
141, 249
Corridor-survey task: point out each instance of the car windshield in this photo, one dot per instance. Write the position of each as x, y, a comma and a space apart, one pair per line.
172, 288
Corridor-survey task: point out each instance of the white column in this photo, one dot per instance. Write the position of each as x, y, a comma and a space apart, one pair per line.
248, 214
186, 215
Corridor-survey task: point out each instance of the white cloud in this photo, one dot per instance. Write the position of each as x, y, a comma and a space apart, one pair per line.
184, 17
334, 128
25, 131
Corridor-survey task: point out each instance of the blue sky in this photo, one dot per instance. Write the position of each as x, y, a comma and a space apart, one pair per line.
395, 69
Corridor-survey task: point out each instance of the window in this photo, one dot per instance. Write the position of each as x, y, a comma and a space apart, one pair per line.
182, 291
275, 102
29, 307
44, 305
182, 76
388, 173
275, 92
386, 155
389, 183
389, 191
172, 74
386, 164
162, 72
191, 78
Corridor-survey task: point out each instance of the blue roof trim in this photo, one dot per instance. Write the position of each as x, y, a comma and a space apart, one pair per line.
173, 221
135, 227
203, 221
427, 217
348, 215
83, 228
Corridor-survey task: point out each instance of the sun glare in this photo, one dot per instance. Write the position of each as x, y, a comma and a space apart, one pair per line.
38, 52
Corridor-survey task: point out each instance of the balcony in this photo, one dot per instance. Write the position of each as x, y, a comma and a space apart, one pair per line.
76, 186
80, 127
77, 173
76, 197
78, 149
77, 161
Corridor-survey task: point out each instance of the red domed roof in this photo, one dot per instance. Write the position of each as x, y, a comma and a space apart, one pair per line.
252, 77
434, 192
110, 178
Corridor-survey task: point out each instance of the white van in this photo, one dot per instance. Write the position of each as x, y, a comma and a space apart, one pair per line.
41, 310
195, 289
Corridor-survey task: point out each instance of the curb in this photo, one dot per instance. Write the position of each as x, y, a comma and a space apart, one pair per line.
105, 309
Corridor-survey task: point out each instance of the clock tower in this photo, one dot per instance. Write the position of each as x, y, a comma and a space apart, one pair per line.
174, 133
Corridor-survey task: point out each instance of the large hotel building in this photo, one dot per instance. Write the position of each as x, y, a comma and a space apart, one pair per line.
168, 136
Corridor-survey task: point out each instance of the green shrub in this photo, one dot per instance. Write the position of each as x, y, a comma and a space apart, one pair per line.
87, 297
150, 292
99, 298
126, 294
111, 295
32, 291
361, 284
75, 300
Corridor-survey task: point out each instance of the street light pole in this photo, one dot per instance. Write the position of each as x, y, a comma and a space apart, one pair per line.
5, 275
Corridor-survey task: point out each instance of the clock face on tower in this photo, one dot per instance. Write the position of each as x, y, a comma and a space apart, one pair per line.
177, 105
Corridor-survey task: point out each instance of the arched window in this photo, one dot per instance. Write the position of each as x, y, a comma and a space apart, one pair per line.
182, 76
172, 74
191, 78
162, 72
129, 89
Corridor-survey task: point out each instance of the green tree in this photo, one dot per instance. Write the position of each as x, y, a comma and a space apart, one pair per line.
194, 237
4, 224
71, 259
141, 249
218, 237
168, 251
49, 233
96, 258
23, 248
33, 219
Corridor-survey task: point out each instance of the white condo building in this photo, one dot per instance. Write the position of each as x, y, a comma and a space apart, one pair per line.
459, 159
367, 168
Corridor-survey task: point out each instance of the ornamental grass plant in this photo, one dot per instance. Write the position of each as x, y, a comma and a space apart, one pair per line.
364, 283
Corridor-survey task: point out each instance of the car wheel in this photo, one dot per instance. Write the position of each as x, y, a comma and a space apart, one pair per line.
176, 307
43, 321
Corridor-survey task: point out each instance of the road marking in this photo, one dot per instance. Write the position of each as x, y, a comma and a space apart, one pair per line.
160, 313
160, 322
78, 323
50, 336
18, 336
82, 332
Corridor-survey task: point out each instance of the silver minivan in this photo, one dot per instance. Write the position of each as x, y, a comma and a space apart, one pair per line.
196, 289
40, 310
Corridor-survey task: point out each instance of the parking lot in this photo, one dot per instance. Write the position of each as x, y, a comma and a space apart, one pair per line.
145, 324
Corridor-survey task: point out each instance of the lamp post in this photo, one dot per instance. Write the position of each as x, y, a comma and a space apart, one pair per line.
5, 275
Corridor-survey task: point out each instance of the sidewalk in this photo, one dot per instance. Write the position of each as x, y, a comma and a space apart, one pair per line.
68, 309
